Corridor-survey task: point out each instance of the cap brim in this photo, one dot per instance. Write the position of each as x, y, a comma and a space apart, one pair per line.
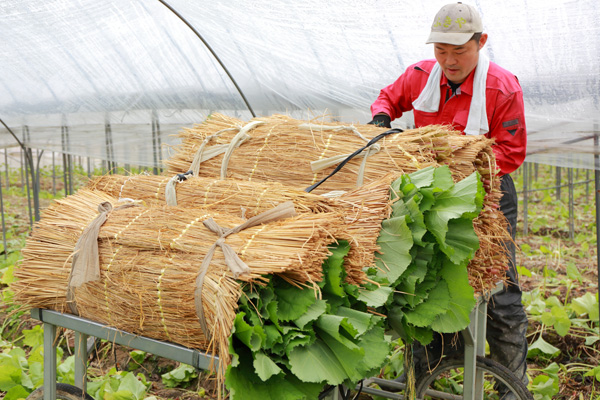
454, 38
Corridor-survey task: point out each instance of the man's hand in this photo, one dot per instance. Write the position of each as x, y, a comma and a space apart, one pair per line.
382, 120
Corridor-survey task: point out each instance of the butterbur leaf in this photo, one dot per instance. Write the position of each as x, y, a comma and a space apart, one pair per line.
273, 336
595, 372
265, 367
131, 384
16, 392
292, 301
272, 314
545, 386
245, 385
395, 241
377, 297
247, 334
348, 354
423, 177
586, 304
461, 241
376, 347
296, 338
541, 347
33, 337
317, 309
333, 269
436, 303
317, 363
465, 198
462, 300
338, 327
360, 321
10, 376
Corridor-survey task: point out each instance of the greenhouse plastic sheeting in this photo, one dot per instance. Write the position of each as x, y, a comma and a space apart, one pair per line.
115, 79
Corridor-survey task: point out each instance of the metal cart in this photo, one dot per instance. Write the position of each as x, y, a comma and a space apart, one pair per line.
474, 338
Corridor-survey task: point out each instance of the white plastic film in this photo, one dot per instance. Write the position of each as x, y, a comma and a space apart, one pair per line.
114, 79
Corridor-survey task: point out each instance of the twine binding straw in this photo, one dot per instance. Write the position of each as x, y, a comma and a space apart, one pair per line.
85, 265
232, 260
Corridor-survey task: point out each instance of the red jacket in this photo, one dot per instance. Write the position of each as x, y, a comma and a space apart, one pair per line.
504, 106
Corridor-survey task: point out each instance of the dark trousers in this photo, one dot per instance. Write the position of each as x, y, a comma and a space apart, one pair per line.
507, 321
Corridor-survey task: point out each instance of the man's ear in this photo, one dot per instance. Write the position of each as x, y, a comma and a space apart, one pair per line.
483, 40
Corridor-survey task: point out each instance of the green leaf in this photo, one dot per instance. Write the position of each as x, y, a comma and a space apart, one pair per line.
360, 321
466, 197
462, 300
7, 275
317, 309
541, 347
595, 372
573, 272
10, 376
129, 383
16, 392
562, 323
247, 334
461, 241
376, 348
523, 271
436, 303
377, 297
422, 177
265, 367
33, 337
545, 386
36, 373
243, 384
586, 304
180, 375
338, 327
293, 302
273, 336
317, 363
333, 269
348, 354
395, 241
138, 356
66, 370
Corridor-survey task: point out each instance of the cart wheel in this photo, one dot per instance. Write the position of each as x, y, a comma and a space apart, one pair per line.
63, 392
448, 378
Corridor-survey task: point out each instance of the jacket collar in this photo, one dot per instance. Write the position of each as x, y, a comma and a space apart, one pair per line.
465, 87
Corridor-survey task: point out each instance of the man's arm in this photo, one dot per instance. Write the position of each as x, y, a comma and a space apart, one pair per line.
509, 132
394, 99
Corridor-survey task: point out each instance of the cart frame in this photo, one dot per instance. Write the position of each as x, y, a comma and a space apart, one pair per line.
474, 338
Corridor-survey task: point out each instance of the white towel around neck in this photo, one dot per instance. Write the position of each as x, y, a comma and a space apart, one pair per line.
429, 99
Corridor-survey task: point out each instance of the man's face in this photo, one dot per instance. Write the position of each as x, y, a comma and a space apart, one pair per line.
457, 62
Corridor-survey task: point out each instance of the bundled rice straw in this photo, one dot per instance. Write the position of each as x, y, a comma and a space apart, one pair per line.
283, 149
364, 208
150, 259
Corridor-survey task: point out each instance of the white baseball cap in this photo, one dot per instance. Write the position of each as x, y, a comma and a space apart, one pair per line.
455, 24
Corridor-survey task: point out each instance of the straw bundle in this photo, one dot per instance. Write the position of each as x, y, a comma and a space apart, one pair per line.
363, 209
150, 258
234, 197
281, 149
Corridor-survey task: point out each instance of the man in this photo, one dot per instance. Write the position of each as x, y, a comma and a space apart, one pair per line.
462, 88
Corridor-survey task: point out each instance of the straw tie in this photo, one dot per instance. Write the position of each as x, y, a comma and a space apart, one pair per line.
232, 260
204, 153
85, 266
170, 192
